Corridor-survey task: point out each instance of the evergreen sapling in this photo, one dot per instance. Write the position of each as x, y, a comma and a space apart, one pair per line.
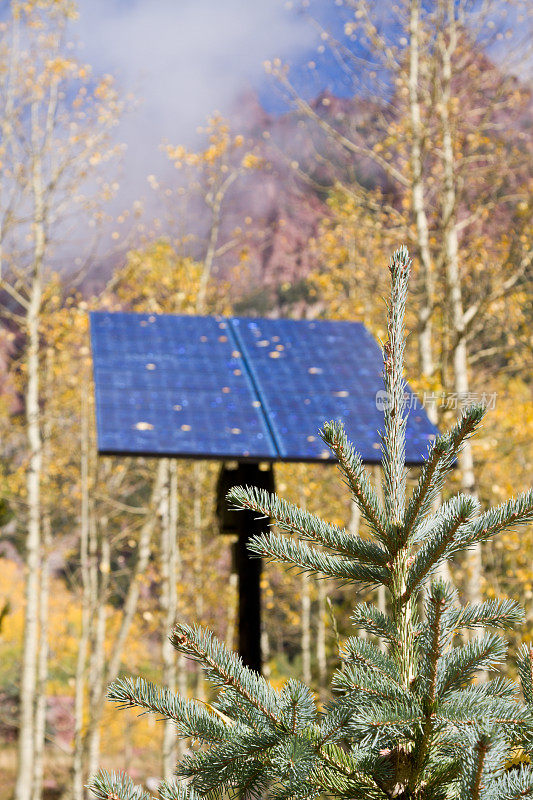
408, 719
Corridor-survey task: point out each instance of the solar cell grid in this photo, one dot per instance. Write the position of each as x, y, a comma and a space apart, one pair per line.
327, 370
238, 388
169, 385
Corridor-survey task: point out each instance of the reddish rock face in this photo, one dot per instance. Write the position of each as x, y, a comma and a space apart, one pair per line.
277, 209
285, 200
60, 718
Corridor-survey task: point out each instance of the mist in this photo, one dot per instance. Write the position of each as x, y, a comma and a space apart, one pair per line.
180, 61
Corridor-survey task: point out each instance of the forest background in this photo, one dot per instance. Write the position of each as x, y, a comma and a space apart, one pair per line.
284, 210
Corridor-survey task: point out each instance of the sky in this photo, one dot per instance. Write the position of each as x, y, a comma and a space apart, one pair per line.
184, 59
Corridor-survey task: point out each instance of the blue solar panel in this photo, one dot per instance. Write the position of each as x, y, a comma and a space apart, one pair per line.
209, 387
171, 385
308, 372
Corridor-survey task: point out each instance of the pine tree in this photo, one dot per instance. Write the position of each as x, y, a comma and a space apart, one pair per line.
408, 720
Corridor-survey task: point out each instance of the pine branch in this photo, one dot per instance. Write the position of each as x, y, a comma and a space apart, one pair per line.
455, 513
499, 688
289, 517
230, 767
343, 765
336, 784
347, 766
467, 709
393, 438
356, 478
385, 722
225, 668
441, 771
279, 548
250, 762
298, 706
514, 512
191, 717
173, 789
439, 598
459, 666
440, 461
514, 784
295, 762
485, 755
431, 644
368, 656
356, 682
118, 786
504, 614
333, 725
373, 621
472, 783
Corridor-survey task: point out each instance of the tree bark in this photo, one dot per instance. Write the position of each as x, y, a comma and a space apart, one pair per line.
305, 590
232, 608
321, 660
355, 519
169, 524
425, 333
265, 653
198, 564
78, 774
44, 593
42, 661
26, 740
97, 683
130, 605
453, 277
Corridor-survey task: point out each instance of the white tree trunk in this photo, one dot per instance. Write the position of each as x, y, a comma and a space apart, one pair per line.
169, 530
25, 767
129, 607
451, 260
425, 335
44, 592
321, 660
355, 519
232, 609
305, 590
78, 773
181, 661
425, 343
42, 663
353, 527
182, 688
305, 598
97, 681
265, 653
198, 563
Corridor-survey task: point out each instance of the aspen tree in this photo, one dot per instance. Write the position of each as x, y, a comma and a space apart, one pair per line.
56, 131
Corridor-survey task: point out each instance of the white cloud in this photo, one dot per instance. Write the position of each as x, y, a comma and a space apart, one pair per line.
182, 59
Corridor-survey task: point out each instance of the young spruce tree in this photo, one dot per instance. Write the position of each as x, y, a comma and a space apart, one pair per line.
408, 719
